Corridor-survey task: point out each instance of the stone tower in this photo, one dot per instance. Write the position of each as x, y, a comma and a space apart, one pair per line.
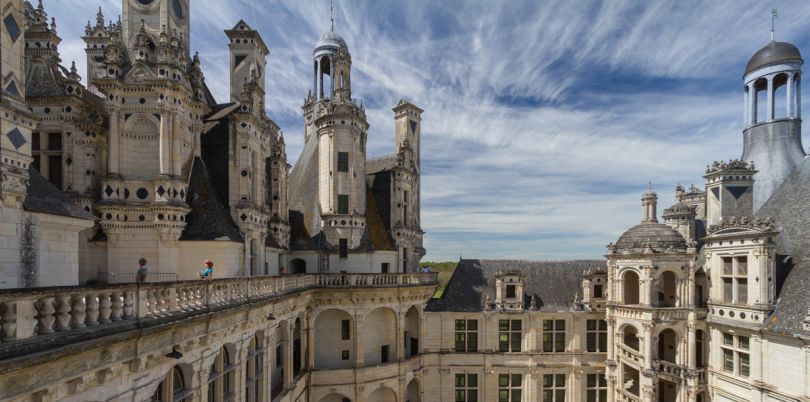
772, 133
340, 125
729, 190
169, 16
247, 58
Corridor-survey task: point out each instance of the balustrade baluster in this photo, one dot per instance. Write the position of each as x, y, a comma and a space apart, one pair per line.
63, 307
117, 306
129, 304
45, 317
8, 320
104, 309
78, 312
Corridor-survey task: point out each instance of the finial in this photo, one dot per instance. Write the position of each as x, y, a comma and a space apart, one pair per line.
773, 21
649, 184
332, 14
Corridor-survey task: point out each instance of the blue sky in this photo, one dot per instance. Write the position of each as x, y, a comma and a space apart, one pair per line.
543, 120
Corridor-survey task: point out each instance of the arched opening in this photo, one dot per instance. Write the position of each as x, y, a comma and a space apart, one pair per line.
699, 359
412, 393
297, 353
797, 90
298, 266
335, 398
668, 291
379, 339
279, 355
382, 395
629, 381
221, 380
174, 387
631, 291
701, 288
630, 337
325, 77
141, 140
667, 391
334, 340
780, 97
254, 370
668, 346
746, 103
412, 332
760, 100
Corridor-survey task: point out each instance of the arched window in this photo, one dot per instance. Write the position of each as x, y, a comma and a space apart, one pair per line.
631, 291
221, 379
173, 388
668, 346
630, 337
761, 99
668, 290
780, 98
255, 369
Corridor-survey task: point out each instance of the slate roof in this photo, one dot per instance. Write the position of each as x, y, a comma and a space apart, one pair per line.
789, 206
772, 53
209, 218
649, 234
44, 197
555, 284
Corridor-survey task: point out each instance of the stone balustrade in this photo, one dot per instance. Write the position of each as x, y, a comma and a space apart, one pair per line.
658, 314
624, 396
33, 318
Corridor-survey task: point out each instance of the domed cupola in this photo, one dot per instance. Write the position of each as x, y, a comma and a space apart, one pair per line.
332, 66
649, 236
773, 53
330, 41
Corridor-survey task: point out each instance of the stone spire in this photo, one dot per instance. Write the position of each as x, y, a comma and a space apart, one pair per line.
649, 203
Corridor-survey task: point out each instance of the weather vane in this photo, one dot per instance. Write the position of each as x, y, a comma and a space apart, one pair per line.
332, 14
773, 21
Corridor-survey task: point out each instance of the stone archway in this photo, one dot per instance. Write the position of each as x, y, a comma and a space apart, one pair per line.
382, 394
334, 340
413, 391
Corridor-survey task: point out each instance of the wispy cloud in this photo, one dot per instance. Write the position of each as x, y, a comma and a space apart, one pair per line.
543, 120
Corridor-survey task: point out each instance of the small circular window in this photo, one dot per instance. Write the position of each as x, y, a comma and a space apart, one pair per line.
145, 2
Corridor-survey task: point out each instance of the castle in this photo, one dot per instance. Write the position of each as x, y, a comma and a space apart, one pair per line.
317, 294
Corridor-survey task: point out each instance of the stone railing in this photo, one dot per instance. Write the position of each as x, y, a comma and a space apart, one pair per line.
658, 314
672, 369
34, 317
625, 396
630, 354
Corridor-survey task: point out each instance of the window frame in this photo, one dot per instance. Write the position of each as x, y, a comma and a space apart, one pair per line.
734, 279
595, 387
514, 393
464, 332
554, 336
734, 349
597, 344
510, 336
343, 162
553, 391
463, 391
343, 204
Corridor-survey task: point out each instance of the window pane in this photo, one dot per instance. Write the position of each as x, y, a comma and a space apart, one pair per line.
727, 290
603, 325
559, 395
516, 325
472, 380
591, 395
559, 325
503, 325
460, 380
460, 396
472, 325
547, 380
743, 342
503, 380
728, 360
742, 291
472, 342
515, 395
591, 325
744, 364
503, 395
559, 343
516, 380
560, 380
472, 395
603, 395
591, 380
343, 204
603, 342
54, 141
460, 325
727, 265
591, 341
547, 324
742, 265
728, 339
547, 396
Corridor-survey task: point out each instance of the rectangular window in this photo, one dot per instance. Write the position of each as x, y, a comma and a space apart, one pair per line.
54, 141
343, 204
735, 352
343, 161
510, 291
344, 248
345, 330
466, 388
344, 355
510, 335
597, 292
553, 335
596, 388
55, 170
35, 140
554, 388
466, 336
596, 336
509, 387
385, 267
735, 280
384, 353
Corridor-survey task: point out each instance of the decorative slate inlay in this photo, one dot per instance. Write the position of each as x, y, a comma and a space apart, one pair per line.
126, 193
16, 137
68, 161
716, 192
142, 193
12, 89
108, 191
161, 191
182, 193
413, 127
737, 191
12, 27
243, 217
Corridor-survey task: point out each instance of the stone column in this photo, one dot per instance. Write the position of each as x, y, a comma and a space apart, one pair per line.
359, 356
611, 340
770, 99
288, 354
755, 344
310, 352
400, 337
164, 142
752, 104
113, 152
691, 345
789, 92
648, 346
176, 150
